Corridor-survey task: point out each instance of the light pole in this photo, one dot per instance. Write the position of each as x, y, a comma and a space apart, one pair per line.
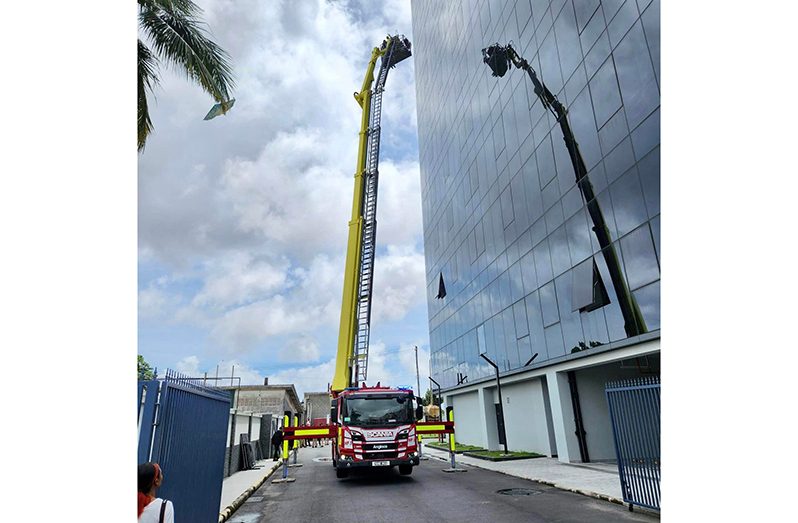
502, 434
418, 378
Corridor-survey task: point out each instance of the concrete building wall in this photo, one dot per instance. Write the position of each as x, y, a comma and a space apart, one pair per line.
539, 414
468, 423
317, 405
525, 417
595, 411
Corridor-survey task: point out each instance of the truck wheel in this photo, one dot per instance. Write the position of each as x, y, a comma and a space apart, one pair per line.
405, 470
341, 473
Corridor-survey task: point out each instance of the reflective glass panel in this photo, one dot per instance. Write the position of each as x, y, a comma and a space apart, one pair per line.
636, 76
639, 257
554, 343
649, 170
548, 304
648, 300
627, 202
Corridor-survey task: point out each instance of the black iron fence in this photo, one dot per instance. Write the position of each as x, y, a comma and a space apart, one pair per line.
635, 415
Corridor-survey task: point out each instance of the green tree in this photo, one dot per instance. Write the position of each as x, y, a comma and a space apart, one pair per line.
145, 370
177, 35
427, 400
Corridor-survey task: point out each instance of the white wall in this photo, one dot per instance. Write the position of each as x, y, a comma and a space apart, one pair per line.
467, 421
595, 410
525, 417
242, 426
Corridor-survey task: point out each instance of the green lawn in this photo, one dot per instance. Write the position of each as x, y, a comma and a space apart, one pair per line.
499, 454
458, 447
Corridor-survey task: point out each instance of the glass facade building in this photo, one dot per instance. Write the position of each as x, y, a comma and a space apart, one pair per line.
534, 259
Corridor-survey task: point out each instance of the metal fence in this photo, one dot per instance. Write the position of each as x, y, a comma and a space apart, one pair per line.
635, 415
183, 427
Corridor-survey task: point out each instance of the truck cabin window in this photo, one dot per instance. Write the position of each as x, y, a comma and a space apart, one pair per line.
378, 411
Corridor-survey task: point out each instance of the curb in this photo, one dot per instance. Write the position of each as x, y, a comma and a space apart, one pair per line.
228, 512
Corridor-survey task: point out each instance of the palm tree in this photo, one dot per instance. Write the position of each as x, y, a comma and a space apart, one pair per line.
178, 36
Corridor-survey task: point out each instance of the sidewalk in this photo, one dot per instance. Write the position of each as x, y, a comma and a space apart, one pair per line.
598, 480
240, 485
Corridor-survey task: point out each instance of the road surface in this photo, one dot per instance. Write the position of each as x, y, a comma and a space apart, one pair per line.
383, 496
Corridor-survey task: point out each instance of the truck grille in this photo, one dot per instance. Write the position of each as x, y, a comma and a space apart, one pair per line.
381, 455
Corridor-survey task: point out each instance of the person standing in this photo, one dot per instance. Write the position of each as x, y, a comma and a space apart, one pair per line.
277, 441
152, 509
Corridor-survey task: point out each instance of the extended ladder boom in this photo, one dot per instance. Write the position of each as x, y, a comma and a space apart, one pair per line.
351, 363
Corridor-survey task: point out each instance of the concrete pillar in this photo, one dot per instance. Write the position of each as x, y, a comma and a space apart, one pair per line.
562, 415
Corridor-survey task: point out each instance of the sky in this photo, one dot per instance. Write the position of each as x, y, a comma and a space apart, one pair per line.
242, 220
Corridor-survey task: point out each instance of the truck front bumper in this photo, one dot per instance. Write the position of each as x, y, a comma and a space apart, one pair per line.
344, 463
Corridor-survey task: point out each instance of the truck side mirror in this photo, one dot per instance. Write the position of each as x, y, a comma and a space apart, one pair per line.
419, 412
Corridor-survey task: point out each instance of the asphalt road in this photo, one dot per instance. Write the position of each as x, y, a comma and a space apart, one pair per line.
377, 496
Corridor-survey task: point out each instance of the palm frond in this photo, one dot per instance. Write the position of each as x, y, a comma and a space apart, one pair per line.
177, 35
147, 64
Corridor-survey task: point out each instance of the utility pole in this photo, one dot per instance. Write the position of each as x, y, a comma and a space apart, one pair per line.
418, 379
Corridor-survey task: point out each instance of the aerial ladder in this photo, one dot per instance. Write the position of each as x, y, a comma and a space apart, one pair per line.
351, 366
375, 426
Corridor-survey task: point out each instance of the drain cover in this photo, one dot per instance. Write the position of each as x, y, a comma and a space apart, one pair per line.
254, 499
517, 491
326, 459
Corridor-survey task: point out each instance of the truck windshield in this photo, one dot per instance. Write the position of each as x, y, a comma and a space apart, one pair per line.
380, 411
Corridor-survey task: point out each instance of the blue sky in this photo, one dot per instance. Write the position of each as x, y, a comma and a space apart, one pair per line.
243, 219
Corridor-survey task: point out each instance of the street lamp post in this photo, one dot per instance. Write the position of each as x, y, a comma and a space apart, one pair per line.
502, 434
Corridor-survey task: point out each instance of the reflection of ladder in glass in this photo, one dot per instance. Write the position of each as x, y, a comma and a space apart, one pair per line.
368, 244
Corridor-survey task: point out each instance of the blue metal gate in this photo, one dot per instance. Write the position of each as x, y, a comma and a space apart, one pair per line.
183, 427
635, 416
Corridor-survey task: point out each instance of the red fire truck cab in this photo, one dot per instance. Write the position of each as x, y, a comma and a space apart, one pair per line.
375, 427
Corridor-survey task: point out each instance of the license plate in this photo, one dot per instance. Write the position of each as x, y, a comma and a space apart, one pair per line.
380, 463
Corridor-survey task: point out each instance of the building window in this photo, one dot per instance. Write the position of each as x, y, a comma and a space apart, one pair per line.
589, 292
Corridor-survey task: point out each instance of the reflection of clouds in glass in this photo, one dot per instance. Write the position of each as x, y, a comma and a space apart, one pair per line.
639, 258
459, 137
636, 76
649, 302
554, 343
627, 202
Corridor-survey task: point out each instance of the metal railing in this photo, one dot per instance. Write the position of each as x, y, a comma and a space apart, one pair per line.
634, 407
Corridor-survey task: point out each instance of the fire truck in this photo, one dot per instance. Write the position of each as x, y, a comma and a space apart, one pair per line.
373, 426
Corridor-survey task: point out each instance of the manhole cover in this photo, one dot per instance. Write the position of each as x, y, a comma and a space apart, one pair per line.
518, 491
323, 460
254, 499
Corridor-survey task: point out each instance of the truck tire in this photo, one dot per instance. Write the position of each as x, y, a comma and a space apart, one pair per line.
405, 470
341, 473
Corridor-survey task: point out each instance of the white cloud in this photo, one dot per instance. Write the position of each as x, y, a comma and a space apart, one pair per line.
300, 349
247, 215
398, 283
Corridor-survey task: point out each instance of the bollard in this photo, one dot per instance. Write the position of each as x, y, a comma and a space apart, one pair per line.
285, 478
295, 445
450, 417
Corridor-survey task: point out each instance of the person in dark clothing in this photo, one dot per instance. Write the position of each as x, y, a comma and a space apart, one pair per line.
277, 441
